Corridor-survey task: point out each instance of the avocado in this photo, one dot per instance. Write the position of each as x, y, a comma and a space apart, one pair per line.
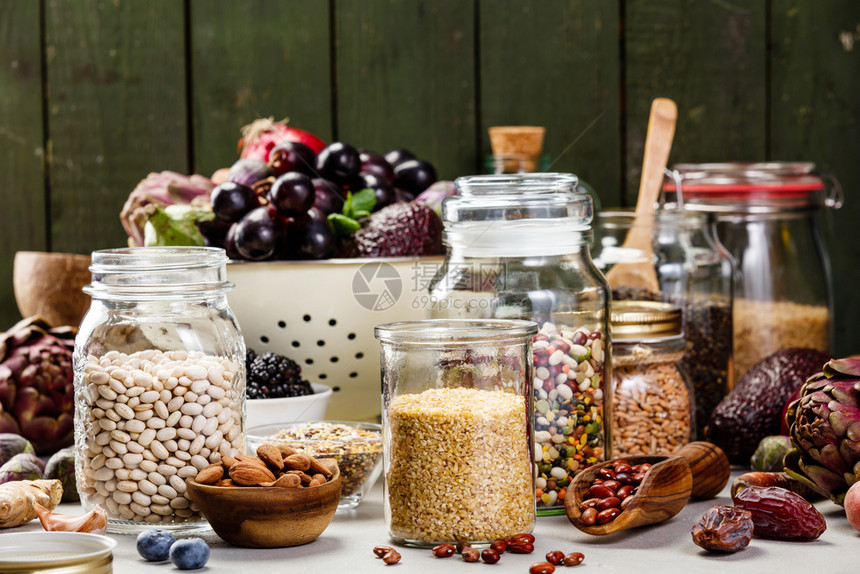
398, 230
753, 409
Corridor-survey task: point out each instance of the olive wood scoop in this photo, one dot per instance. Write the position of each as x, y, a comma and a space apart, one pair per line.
658, 143
700, 470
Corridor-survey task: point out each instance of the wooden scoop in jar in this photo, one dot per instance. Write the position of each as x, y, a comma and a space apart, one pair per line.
658, 142
700, 470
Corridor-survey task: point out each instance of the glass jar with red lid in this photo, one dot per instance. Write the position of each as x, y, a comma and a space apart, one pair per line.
766, 215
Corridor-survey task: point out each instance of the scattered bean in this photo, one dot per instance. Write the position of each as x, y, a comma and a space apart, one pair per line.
541, 568
391, 557
555, 557
444, 550
490, 556
470, 554
381, 551
499, 545
573, 558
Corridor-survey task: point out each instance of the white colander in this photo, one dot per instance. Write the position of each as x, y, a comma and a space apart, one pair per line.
322, 315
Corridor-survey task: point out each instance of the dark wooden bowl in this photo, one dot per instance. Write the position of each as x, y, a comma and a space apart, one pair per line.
268, 516
661, 495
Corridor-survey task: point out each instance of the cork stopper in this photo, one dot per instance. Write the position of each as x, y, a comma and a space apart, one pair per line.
524, 140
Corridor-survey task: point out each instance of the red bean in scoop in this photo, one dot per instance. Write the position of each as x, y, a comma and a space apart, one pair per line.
599, 491
607, 515
612, 485
609, 502
589, 516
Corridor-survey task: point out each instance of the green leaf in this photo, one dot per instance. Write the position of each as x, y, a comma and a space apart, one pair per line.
342, 224
174, 225
364, 200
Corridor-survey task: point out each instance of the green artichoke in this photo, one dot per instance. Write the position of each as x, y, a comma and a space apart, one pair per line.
37, 383
824, 425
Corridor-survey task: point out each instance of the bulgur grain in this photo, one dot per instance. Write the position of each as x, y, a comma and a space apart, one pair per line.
459, 467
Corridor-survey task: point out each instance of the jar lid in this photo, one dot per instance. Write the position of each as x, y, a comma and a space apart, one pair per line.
517, 197
632, 320
518, 215
456, 332
66, 552
753, 187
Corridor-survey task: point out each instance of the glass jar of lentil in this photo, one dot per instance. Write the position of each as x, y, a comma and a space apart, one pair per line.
518, 247
767, 216
652, 402
692, 270
457, 440
159, 383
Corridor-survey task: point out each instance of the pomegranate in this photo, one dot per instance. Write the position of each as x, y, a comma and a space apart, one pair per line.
261, 135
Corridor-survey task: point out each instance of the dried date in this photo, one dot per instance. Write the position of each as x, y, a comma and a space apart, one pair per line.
781, 514
724, 529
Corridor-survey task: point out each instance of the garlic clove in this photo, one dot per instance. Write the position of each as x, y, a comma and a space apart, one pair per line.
93, 522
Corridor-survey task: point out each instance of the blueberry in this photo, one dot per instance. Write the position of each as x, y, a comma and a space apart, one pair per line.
154, 545
189, 553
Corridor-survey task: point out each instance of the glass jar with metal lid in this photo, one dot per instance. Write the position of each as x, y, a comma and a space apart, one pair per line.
766, 217
518, 248
159, 383
652, 403
691, 269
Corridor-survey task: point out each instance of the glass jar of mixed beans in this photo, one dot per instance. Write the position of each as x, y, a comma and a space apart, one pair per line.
159, 383
518, 248
653, 407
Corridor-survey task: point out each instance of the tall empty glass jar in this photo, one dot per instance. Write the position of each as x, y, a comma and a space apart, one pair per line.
457, 436
767, 217
518, 247
159, 383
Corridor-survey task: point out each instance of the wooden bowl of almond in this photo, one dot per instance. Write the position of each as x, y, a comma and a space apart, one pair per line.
278, 498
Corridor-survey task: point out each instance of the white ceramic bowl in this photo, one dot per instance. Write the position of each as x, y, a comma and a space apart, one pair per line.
322, 315
288, 409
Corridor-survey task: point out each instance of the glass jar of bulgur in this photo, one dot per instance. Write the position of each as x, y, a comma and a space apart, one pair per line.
457, 437
518, 248
653, 406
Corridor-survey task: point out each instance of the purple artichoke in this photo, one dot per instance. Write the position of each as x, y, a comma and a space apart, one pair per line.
824, 425
162, 189
37, 383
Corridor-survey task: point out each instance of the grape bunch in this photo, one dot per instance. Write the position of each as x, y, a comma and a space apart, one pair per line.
298, 203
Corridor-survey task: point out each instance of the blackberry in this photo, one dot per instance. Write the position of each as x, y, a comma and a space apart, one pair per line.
272, 376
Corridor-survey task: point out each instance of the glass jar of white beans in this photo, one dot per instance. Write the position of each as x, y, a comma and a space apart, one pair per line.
159, 383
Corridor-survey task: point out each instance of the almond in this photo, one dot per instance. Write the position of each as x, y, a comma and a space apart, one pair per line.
250, 474
225, 482
288, 481
251, 459
298, 461
228, 461
319, 467
286, 450
270, 454
317, 481
305, 478
211, 474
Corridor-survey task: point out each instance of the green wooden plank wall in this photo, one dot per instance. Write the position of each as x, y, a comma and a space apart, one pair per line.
94, 95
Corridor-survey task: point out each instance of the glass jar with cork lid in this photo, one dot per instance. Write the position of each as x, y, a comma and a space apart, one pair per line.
653, 407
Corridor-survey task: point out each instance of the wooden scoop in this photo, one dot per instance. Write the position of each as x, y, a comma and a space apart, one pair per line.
658, 142
700, 469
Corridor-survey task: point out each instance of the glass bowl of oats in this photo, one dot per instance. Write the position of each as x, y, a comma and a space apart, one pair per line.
356, 446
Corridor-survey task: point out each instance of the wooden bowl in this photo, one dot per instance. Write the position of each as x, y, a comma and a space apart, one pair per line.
268, 516
49, 285
661, 494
